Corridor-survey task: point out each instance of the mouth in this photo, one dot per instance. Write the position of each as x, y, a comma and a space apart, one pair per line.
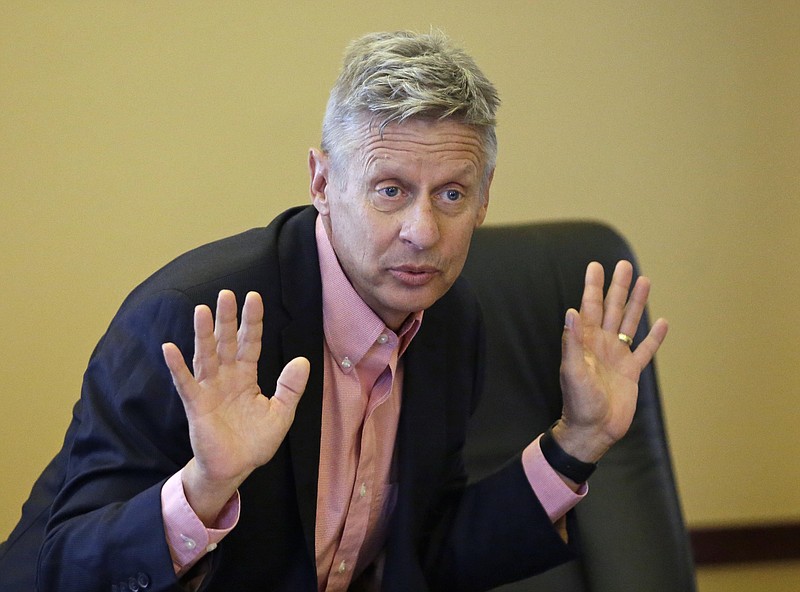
414, 275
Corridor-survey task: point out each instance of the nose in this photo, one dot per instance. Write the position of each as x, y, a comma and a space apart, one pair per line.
420, 225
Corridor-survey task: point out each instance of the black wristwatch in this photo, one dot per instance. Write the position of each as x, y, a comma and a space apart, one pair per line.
566, 464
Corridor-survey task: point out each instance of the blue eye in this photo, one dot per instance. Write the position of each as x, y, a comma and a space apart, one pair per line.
452, 194
390, 191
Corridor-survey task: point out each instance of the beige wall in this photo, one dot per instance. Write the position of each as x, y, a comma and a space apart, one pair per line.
131, 131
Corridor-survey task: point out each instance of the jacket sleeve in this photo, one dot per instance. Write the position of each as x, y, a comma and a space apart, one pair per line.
497, 532
106, 531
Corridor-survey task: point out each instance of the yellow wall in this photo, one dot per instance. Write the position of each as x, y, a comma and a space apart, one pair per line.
131, 131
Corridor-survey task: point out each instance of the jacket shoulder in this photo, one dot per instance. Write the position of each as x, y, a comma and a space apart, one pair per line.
248, 261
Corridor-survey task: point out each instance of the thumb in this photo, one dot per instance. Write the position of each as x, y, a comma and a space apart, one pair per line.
182, 378
292, 382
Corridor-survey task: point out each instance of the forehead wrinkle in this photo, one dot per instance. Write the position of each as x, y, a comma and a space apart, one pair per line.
378, 151
451, 168
451, 140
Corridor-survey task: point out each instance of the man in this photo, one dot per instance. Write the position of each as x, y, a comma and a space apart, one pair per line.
350, 475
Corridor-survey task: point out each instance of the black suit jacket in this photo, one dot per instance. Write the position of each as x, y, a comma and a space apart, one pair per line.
129, 434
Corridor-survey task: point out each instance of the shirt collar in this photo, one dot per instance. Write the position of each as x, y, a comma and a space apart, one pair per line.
351, 326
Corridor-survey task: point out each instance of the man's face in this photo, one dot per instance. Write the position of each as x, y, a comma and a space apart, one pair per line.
400, 214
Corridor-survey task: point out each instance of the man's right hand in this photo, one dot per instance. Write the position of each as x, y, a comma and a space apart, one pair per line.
233, 428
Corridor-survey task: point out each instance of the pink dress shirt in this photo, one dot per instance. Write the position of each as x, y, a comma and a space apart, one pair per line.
362, 388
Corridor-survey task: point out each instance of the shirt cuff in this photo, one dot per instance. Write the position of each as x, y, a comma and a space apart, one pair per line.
187, 537
555, 496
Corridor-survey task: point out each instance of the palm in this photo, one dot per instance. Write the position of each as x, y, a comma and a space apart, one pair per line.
607, 381
233, 427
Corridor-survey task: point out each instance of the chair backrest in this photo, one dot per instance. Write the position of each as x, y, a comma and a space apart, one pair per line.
630, 528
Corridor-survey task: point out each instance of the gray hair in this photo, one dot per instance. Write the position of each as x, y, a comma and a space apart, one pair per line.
391, 77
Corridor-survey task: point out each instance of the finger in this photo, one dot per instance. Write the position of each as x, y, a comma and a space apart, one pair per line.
592, 299
616, 297
205, 361
572, 341
226, 326
292, 383
635, 307
249, 338
183, 380
645, 351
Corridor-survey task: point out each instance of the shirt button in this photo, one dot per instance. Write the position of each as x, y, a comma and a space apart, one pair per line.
211, 547
188, 543
347, 364
383, 338
363, 491
342, 567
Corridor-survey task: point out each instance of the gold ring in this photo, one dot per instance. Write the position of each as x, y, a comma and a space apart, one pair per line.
626, 339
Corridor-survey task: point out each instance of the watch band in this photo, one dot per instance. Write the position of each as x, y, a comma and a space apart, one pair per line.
566, 464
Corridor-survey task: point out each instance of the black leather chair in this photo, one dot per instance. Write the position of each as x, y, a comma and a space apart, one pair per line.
630, 529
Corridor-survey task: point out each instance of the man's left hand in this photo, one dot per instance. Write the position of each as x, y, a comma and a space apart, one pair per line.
599, 370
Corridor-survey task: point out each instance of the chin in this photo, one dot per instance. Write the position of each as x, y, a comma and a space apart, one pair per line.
415, 303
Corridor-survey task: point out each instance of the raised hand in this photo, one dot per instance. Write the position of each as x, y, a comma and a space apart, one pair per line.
233, 428
599, 370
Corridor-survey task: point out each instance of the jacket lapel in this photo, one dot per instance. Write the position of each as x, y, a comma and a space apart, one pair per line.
303, 336
421, 434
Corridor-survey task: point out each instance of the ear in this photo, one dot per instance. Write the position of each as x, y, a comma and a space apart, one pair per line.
319, 169
484, 200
